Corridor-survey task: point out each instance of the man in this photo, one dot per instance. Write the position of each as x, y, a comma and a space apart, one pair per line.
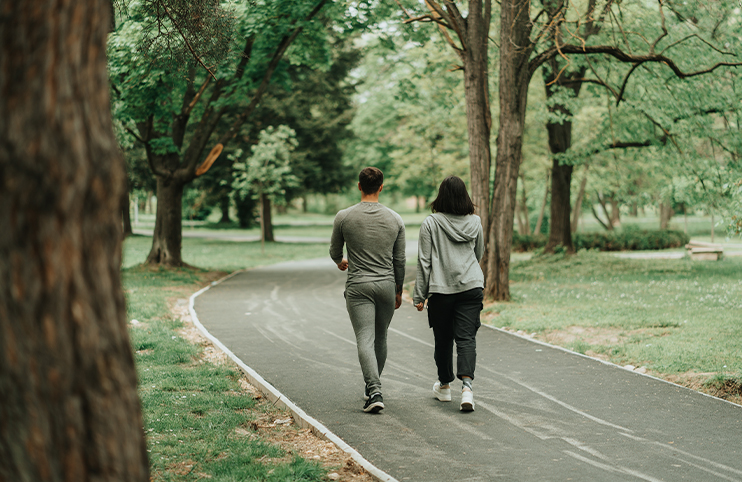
374, 236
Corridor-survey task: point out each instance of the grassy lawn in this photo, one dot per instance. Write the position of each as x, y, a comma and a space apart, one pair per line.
678, 318
199, 419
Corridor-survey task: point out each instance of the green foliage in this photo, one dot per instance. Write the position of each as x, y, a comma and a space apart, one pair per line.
627, 239
268, 170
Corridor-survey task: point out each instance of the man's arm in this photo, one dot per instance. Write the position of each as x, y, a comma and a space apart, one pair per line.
336, 243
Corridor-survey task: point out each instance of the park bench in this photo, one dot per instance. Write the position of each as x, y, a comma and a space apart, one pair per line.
700, 251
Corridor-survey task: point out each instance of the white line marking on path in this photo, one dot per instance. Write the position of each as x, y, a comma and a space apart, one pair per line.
412, 337
339, 337
610, 468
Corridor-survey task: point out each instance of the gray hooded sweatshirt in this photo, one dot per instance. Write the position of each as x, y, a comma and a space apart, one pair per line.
448, 254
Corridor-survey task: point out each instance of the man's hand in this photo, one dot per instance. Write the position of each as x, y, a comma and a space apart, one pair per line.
397, 301
420, 306
343, 265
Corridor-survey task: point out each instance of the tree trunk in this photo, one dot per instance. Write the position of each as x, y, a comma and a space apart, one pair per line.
68, 403
608, 224
578, 202
666, 214
267, 222
515, 75
224, 207
537, 229
167, 238
519, 218
126, 215
304, 204
615, 213
478, 116
148, 205
524, 207
560, 232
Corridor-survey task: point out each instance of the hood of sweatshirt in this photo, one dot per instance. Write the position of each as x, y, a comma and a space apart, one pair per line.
459, 228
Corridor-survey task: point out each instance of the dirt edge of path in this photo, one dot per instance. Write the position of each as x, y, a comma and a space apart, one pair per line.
272, 424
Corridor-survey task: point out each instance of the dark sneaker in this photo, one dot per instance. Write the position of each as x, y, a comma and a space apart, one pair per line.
374, 404
366, 396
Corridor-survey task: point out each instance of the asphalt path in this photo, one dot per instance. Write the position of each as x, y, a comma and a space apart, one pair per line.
542, 413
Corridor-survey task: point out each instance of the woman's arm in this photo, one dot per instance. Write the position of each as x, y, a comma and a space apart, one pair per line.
424, 254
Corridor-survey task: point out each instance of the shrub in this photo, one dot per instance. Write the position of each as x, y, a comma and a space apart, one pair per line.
626, 239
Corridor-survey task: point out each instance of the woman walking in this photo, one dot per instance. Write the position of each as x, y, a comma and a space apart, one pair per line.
449, 277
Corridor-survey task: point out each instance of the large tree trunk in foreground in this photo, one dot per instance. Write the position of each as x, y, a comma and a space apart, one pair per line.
168, 234
515, 50
68, 403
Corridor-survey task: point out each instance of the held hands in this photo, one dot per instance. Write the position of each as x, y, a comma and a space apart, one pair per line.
343, 265
420, 306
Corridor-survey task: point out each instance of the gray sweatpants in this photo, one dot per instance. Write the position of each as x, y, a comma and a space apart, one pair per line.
371, 307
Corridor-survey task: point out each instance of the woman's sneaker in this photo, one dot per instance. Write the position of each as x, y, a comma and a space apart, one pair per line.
442, 394
374, 404
467, 400
366, 396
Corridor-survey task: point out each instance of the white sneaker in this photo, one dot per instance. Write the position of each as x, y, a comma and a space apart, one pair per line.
442, 394
467, 401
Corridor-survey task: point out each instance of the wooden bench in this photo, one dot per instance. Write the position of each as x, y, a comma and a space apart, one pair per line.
700, 251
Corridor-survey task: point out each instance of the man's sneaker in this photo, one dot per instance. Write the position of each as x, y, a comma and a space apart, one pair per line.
374, 404
365, 393
442, 394
467, 401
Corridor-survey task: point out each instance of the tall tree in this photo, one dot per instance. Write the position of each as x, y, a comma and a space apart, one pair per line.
177, 115
68, 403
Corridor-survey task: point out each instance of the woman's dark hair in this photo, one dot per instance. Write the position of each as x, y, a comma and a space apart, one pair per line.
371, 179
452, 198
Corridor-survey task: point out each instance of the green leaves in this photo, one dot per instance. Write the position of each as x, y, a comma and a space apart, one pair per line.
268, 170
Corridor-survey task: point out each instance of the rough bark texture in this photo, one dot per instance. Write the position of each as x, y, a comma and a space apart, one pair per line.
68, 403
515, 74
167, 238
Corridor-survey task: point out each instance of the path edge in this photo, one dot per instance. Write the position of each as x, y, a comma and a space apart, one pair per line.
277, 398
605, 362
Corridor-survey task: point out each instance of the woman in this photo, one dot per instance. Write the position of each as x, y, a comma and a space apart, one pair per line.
449, 277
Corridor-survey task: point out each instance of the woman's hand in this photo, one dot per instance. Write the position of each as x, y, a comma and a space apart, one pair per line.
420, 306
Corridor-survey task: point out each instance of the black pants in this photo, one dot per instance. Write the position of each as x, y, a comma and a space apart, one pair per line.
455, 317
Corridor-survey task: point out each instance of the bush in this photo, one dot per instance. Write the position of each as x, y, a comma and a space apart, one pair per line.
627, 239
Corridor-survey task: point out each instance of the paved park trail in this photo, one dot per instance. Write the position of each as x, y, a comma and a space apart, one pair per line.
542, 414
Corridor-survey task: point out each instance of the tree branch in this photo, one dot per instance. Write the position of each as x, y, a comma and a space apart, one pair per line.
185, 39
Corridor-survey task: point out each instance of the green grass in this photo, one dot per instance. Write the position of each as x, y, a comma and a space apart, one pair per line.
219, 255
672, 316
196, 416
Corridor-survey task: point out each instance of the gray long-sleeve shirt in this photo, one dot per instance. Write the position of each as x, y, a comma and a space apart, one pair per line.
374, 236
449, 249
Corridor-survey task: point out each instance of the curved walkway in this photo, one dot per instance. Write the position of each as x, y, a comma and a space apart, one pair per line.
542, 413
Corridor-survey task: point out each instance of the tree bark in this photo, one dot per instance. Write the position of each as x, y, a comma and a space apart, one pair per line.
267, 221
537, 229
68, 403
515, 75
578, 202
125, 214
560, 232
666, 214
167, 237
224, 207
478, 114
524, 207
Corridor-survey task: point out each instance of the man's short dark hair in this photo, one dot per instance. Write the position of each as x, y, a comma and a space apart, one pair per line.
371, 179
453, 198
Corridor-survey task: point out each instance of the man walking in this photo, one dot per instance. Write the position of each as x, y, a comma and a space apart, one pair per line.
374, 236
